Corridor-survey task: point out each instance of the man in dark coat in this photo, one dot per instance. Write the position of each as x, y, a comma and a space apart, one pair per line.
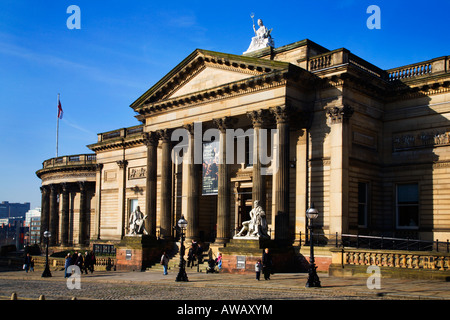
267, 264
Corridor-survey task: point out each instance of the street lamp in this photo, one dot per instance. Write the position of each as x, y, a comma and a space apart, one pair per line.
313, 278
47, 272
182, 276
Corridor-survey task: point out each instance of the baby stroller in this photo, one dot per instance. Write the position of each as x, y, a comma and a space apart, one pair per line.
211, 266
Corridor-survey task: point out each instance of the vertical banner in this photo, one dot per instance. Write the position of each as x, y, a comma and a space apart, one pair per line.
210, 170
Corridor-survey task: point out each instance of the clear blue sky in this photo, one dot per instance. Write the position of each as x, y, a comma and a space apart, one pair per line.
124, 47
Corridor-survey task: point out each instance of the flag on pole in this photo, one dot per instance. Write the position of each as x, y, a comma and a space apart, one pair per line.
60, 110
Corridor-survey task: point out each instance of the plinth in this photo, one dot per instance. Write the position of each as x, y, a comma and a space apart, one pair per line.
241, 254
138, 252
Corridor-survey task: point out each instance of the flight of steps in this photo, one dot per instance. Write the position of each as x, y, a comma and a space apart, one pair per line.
174, 261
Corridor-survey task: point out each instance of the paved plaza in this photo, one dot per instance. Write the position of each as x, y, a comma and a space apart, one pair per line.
153, 285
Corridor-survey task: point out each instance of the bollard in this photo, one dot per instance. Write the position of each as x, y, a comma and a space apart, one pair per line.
14, 296
41, 297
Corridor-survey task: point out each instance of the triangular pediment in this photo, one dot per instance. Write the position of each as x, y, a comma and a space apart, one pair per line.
207, 77
203, 70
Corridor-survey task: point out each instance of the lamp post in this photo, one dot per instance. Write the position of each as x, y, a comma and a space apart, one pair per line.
182, 276
313, 278
47, 272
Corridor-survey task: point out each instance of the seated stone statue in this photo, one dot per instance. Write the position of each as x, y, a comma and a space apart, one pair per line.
262, 38
257, 225
137, 219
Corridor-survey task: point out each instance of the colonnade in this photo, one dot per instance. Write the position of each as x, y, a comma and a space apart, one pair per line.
259, 119
57, 211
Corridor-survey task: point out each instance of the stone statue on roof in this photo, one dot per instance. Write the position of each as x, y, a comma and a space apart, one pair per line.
262, 38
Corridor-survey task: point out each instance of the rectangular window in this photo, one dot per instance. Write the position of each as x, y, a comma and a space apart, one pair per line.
363, 188
408, 206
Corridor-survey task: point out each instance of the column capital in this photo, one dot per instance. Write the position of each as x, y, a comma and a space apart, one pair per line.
99, 167
65, 187
164, 134
281, 113
258, 117
151, 139
44, 189
223, 123
338, 114
122, 163
82, 185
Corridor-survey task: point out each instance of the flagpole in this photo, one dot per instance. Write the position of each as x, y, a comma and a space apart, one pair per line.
57, 127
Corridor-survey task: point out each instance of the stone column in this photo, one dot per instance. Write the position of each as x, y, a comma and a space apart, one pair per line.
122, 189
65, 215
166, 184
82, 232
192, 187
282, 173
223, 196
54, 221
98, 205
45, 212
338, 117
259, 181
151, 142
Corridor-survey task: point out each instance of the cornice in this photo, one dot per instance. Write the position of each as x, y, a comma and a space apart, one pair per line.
119, 143
227, 91
200, 58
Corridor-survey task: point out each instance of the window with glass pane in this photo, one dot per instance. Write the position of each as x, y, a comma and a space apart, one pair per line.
408, 205
362, 203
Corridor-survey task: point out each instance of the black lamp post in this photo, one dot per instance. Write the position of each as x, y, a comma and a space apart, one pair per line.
47, 272
313, 278
182, 276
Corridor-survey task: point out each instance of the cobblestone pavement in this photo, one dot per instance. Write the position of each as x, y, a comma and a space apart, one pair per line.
152, 285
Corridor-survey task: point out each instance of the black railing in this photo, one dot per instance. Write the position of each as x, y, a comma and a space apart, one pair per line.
374, 242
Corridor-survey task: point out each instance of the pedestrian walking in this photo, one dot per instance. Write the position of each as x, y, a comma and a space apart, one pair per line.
219, 261
199, 254
27, 262
267, 264
191, 257
79, 262
32, 264
67, 264
93, 261
258, 267
87, 262
165, 262
74, 257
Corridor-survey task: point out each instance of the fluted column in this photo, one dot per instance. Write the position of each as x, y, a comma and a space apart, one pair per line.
54, 221
223, 196
151, 142
82, 234
282, 174
259, 181
192, 184
45, 212
65, 215
166, 184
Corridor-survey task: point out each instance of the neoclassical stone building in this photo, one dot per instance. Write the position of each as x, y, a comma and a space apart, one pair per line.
369, 147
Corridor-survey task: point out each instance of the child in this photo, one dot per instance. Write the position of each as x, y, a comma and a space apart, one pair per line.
258, 269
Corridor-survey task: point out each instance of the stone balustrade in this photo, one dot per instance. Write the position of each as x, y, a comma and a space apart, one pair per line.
342, 56
120, 133
414, 260
100, 262
434, 66
79, 159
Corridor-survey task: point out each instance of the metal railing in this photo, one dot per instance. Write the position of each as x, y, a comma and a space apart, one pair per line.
373, 242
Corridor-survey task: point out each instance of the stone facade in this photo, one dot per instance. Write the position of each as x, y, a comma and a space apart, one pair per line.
370, 148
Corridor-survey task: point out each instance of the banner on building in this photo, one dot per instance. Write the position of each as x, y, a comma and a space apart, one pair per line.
210, 170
